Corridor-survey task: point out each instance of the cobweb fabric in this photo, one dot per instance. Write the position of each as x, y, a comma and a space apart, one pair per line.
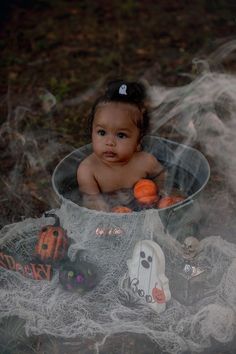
109, 309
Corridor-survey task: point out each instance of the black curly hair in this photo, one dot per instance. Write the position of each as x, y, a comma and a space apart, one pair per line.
133, 93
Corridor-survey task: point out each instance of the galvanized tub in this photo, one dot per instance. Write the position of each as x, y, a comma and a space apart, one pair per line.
188, 170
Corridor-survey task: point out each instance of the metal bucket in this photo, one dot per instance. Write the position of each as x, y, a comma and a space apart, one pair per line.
188, 170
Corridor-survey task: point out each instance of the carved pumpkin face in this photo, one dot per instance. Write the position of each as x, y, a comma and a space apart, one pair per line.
158, 295
146, 191
52, 242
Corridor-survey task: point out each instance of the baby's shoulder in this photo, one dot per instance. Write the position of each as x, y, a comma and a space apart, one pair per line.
89, 160
87, 164
150, 163
147, 157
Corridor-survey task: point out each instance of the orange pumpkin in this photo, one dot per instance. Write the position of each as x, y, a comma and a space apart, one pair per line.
167, 201
158, 295
52, 241
146, 191
121, 209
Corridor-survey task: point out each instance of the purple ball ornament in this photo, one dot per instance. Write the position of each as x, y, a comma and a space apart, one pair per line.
79, 276
79, 279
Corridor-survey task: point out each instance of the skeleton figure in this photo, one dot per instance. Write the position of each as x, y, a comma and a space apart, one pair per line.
190, 247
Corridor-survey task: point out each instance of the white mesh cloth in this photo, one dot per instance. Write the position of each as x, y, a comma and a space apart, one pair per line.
108, 309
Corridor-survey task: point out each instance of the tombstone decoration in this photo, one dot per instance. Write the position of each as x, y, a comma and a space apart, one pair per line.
146, 275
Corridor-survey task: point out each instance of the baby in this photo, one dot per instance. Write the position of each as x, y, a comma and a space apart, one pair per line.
119, 120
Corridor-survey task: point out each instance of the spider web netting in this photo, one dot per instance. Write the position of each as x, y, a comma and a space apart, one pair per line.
109, 308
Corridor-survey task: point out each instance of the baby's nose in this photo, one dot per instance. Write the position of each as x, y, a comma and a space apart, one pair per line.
110, 140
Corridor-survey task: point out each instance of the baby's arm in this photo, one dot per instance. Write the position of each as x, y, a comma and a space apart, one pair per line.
89, 188
156, 171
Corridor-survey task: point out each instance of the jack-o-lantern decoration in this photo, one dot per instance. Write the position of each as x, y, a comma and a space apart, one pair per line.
121, 209
52, 241
146, 191
158, 295
167, 201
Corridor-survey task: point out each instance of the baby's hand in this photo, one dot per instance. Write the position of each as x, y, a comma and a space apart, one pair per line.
95, 201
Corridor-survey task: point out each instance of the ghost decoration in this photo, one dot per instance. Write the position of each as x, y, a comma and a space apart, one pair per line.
122, 89
146, 272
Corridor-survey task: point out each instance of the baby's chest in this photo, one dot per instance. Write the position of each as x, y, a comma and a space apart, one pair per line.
113, 179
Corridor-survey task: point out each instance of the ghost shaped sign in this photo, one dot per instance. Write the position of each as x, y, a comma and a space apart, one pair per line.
146, 271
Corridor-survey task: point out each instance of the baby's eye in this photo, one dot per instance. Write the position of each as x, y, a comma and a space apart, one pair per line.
121, 135
101, 132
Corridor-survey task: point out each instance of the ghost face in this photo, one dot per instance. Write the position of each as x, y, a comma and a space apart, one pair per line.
146, 263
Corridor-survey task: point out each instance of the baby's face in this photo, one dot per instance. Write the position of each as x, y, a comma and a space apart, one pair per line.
115, 134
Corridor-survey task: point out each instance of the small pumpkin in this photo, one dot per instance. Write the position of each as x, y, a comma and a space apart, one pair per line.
52, 241
158, 295
167, 201
121, 209
146, 191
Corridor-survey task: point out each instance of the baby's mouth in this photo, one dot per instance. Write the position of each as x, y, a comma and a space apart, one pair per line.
109, 154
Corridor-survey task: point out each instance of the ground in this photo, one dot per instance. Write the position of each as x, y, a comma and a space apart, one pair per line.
67, 50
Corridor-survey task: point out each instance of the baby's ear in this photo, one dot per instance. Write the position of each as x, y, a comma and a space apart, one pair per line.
139, 147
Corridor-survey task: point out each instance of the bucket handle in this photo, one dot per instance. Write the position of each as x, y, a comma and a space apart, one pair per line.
173, 210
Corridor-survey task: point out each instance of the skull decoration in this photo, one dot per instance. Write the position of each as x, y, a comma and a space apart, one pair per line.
190, 247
